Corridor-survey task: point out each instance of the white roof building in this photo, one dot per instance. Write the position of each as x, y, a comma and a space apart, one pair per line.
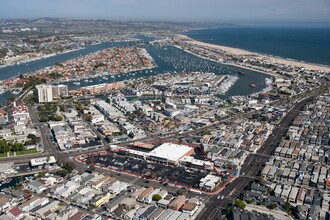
43, 161
45, 93
169, 152
209, 182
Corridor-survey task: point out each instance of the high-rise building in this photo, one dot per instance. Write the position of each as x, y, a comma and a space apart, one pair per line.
45, 93
59, 91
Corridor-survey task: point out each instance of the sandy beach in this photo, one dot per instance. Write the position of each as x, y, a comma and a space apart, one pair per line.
241, 52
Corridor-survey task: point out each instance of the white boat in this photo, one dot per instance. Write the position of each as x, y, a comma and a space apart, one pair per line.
76, 83
15, 92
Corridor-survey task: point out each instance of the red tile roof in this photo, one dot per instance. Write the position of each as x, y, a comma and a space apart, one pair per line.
15, 211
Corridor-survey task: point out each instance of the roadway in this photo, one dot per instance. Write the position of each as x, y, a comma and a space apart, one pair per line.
251, 168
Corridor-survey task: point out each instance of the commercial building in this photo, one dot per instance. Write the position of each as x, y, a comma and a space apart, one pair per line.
43, 161
45, 93
169, 153
209, 182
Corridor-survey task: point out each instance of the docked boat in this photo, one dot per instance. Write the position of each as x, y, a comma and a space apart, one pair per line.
76, 83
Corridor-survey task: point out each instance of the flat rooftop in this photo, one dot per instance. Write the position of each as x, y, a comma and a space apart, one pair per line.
171, 151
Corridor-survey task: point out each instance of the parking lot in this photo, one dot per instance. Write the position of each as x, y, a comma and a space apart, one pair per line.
162, 173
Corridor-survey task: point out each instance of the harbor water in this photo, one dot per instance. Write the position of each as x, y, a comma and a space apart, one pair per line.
168, 59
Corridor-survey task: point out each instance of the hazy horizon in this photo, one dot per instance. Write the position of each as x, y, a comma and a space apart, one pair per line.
221, 11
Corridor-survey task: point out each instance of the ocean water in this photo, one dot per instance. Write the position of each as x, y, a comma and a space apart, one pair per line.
310, 45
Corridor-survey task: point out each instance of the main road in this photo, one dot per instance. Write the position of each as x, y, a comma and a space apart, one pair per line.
251, 168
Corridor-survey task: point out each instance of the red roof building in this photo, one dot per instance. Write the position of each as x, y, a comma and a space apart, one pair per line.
16, 213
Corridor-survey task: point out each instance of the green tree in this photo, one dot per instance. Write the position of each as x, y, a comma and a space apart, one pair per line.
33, 139
69, 166
58, 118
273, 206
62, 173
271, 191
156, 197
240, 204
41, 174
44, 119
79, 107
250, 201
17, 147
287, 207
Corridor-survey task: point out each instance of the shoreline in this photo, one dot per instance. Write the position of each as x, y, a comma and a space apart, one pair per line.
228, 64
265, 57
40, 58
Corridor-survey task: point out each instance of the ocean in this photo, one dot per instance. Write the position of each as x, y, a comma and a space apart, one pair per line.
310, 45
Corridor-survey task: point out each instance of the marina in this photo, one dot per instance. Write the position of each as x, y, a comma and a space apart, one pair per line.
165, 58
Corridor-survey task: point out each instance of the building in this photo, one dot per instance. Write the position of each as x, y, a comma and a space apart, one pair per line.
190, 207
36, 187
15, 213
42, 161
20, 114
258, 188
177, 203
45, 93
145, 193
3, 116
209, 182
169, 153
100, 199
60, 91
164, 202
100, 88
7, 167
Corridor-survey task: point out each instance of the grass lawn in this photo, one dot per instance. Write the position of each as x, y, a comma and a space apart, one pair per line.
30, 151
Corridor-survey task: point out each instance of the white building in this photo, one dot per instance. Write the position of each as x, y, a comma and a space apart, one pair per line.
117, 187
170, 153
36, 187
59, 91
20, 114
43, 161
45, 93
209, 182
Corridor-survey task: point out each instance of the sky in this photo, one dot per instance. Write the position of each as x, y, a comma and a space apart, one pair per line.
233, 11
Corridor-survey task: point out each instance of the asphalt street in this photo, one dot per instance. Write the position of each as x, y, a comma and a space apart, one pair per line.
251, 168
